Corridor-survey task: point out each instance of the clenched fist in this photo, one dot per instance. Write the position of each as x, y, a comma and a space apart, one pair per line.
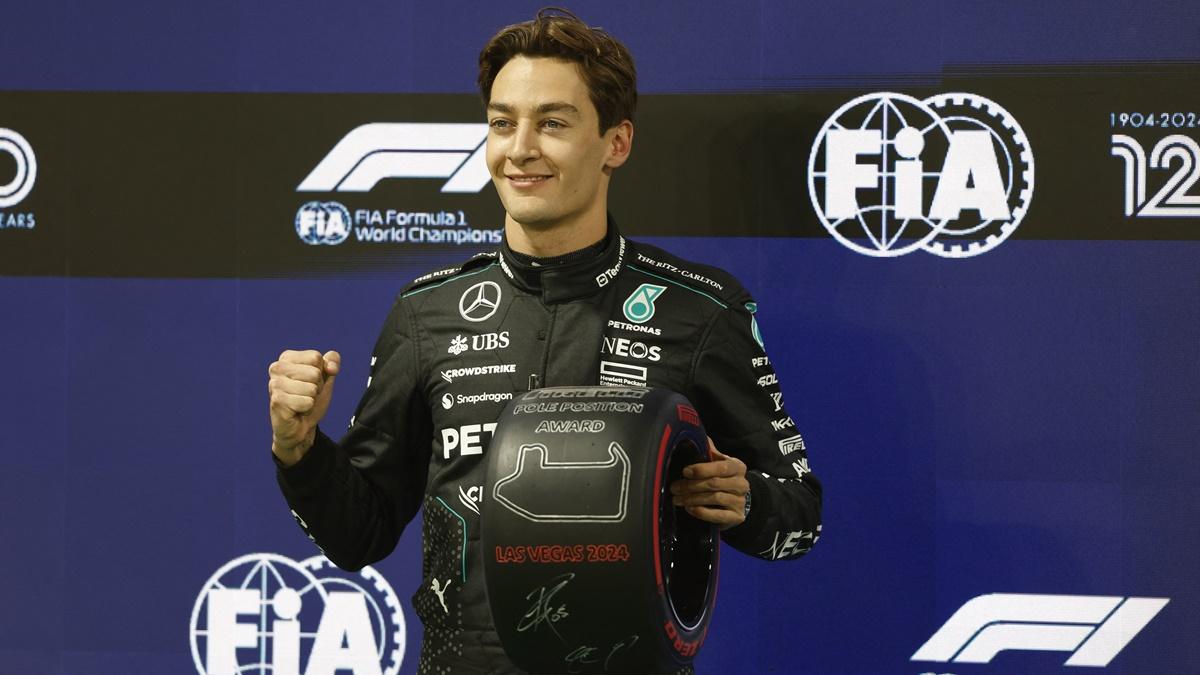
300, 384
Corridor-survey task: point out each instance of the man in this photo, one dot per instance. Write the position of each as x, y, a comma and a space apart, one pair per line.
566, 300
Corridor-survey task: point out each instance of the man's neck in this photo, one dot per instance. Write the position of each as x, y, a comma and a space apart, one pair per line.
556, 240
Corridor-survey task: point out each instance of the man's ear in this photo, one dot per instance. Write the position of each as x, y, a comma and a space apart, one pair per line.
620, 144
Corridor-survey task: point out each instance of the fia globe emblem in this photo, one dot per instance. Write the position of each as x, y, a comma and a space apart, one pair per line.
323, 223
639, 306
266, 613
951, 175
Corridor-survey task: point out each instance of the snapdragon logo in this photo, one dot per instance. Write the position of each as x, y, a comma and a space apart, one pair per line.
268, 613
374, 152
951, 175
1093, 628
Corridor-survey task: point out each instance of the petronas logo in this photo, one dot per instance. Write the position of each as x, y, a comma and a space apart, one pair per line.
639, 306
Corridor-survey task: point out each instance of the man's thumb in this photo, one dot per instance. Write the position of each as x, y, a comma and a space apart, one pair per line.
333, 363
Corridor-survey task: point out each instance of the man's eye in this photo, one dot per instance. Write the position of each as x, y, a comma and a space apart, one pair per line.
500, 124
553, 124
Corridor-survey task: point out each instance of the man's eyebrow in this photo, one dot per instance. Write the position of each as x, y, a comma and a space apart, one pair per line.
551, 107
557, 106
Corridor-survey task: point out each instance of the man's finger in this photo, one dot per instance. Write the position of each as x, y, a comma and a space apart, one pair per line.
281, 401
720, 468
726, 500
298, 387
732, 484
309, 357
296, 371
723, 517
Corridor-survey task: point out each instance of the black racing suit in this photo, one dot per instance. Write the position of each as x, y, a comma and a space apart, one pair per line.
461, 342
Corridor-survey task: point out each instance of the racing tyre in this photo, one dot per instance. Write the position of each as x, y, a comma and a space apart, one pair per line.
589, 567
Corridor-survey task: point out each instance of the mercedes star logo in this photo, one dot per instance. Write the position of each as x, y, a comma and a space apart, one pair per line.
480, 301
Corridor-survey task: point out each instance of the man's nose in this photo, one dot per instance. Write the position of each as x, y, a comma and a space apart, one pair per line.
524, 145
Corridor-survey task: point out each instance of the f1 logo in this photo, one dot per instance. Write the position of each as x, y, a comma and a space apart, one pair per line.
1095, 628
373, 152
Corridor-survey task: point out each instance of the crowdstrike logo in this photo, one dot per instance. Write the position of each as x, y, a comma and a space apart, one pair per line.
265, 612
951, 175
374, 152
1094, 628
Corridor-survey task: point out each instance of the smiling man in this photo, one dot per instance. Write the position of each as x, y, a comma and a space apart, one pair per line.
566, 300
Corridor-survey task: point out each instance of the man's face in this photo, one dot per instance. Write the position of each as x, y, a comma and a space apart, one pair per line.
547, 158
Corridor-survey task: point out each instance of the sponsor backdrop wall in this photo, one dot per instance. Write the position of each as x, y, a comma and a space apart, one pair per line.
971, 229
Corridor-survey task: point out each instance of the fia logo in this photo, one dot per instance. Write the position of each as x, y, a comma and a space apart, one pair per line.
1172, 200
374, 152
323, 223
951, 175
266, 612
639, 306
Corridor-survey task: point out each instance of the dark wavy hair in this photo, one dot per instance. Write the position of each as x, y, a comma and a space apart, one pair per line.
604, 63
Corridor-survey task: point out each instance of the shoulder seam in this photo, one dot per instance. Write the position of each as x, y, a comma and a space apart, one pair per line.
678, 283
453, 277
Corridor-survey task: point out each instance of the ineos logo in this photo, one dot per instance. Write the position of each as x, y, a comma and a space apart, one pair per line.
480, 302
630, 348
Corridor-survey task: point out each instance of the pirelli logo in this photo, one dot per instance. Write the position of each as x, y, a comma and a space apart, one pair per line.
791, 444
688, 414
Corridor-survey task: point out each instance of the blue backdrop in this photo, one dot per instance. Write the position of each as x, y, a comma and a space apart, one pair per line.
1021, 422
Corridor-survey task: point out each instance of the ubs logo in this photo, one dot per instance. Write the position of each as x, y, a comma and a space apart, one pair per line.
265, 612
951, 175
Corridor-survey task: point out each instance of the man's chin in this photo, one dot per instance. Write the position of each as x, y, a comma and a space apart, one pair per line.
533, 219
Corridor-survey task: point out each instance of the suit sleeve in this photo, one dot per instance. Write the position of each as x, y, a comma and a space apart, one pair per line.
353, 497
740, 401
